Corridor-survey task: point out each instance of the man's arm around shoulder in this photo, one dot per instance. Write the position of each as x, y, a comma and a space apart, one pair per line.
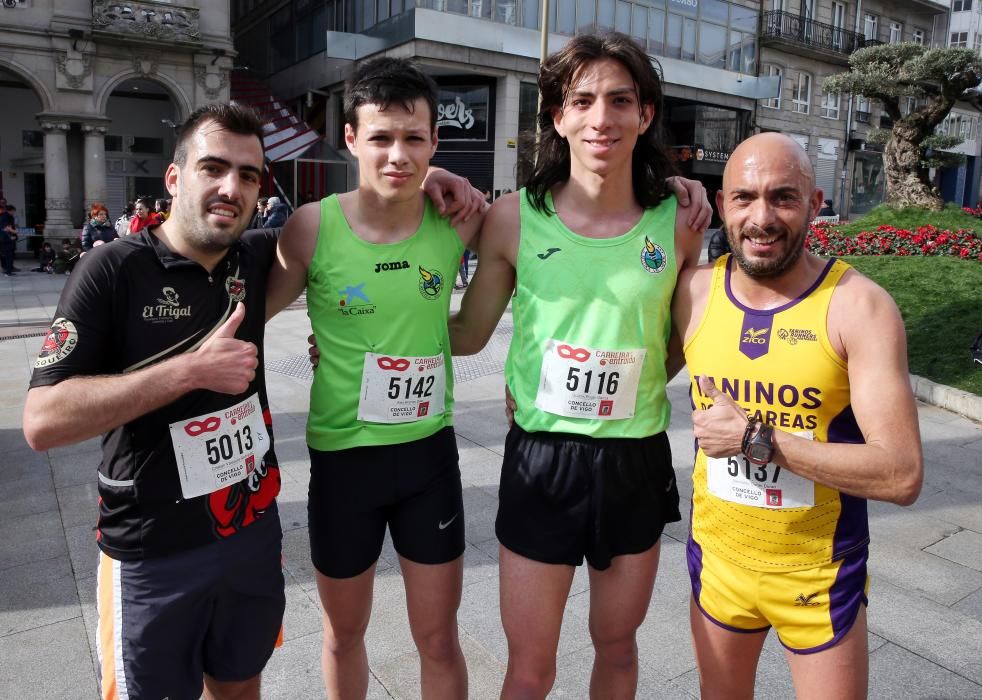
294, 252
493, 283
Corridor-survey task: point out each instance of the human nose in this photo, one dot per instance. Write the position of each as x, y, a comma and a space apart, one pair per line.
230, 186
397, 152
600, 115
762, 213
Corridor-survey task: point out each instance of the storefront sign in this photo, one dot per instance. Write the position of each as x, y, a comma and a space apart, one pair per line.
712, 156
462, 113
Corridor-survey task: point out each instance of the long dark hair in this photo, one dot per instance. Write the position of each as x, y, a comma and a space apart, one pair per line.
650, 163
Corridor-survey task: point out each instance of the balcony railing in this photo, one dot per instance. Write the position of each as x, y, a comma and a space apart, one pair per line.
807, 32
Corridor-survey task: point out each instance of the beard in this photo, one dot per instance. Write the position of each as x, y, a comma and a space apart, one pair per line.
765, 268
208, 239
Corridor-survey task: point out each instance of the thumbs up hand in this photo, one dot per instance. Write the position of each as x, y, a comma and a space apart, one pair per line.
719, 428
224, 364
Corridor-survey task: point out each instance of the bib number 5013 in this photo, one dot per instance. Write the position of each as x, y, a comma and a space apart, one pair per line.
223, 448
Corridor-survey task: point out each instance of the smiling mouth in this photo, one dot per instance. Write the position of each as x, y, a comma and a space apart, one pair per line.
223, 211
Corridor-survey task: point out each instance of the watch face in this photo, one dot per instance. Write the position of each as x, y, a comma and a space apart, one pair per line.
759, 454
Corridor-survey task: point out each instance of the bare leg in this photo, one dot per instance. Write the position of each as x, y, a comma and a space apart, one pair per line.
619, 600
347, 606
727, 660
231, 690
839, 672
432, 598
533, 596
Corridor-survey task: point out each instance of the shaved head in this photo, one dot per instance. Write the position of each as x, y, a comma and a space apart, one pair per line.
767, 201
773, 151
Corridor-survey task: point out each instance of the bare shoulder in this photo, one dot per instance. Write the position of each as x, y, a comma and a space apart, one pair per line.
502, 226
299, 235
689, 302
688, 243
862, 314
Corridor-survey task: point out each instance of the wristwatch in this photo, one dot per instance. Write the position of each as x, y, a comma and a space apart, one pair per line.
758, 442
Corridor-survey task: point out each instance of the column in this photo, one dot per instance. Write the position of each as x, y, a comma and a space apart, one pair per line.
57, 200
95, 163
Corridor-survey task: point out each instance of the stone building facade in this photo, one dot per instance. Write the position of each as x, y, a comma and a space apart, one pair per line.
91, 91
805, 41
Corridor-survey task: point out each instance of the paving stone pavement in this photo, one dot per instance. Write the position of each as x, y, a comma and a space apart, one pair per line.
925, 615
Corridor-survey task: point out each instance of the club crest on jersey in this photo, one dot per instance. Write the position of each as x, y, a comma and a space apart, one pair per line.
653, 258
430, 283
235, 288
58, 344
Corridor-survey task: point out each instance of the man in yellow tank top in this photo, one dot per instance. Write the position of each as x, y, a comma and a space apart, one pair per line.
802, 411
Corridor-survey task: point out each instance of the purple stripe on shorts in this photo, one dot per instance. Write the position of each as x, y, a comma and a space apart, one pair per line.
693, 557
847, 591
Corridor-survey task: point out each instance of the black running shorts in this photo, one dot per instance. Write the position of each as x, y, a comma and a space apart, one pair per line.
564, 497
412, 487
166, 621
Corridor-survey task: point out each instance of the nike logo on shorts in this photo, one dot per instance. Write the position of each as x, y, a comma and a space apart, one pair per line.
444, 525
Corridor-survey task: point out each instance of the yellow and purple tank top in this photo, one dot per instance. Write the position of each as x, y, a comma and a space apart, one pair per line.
780, 366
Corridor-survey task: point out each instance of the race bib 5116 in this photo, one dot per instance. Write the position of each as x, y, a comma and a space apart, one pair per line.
581, 382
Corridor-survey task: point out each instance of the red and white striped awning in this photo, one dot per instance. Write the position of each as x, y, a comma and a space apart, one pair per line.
286, 136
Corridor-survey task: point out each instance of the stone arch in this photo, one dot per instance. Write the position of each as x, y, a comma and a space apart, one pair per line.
177, 94
42, 91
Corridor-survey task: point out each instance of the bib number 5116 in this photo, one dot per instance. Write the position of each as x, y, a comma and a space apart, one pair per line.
605, 385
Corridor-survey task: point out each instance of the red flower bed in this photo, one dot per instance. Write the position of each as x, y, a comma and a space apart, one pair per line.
823, 239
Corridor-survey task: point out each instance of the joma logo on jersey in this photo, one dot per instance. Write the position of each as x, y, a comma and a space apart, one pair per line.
397, 265
757, 336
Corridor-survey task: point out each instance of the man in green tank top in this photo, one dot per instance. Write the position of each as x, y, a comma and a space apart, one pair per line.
377, 293
592, 248
379, 264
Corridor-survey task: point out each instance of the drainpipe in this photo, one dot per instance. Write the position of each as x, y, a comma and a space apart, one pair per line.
843, 200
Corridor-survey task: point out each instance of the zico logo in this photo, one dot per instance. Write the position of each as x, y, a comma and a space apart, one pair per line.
393, 365
568, 352
757, 336
196, 427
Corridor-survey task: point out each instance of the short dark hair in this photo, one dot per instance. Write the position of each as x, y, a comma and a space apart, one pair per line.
651, 164
231, 116
384, 81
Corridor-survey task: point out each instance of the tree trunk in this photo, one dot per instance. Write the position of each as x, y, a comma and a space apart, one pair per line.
907, 184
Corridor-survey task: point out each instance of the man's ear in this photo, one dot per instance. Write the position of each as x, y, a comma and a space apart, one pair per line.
647, 116
557, 121
818, 201
719, 203
436, 141
349, 137
172, 179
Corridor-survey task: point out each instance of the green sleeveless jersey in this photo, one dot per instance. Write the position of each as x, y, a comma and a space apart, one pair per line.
379, 313
592, 321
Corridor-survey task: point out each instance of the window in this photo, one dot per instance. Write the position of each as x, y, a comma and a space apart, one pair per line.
896, 32
917, 36
830, 105
774, 71
146, 144
113, 143
961, 5
32, 138
801, 94
959, 40
869, 26
863, 110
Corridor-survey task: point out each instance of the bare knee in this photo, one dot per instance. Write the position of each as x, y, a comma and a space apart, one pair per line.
618, 653
529, 678
342, 639
441, 647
